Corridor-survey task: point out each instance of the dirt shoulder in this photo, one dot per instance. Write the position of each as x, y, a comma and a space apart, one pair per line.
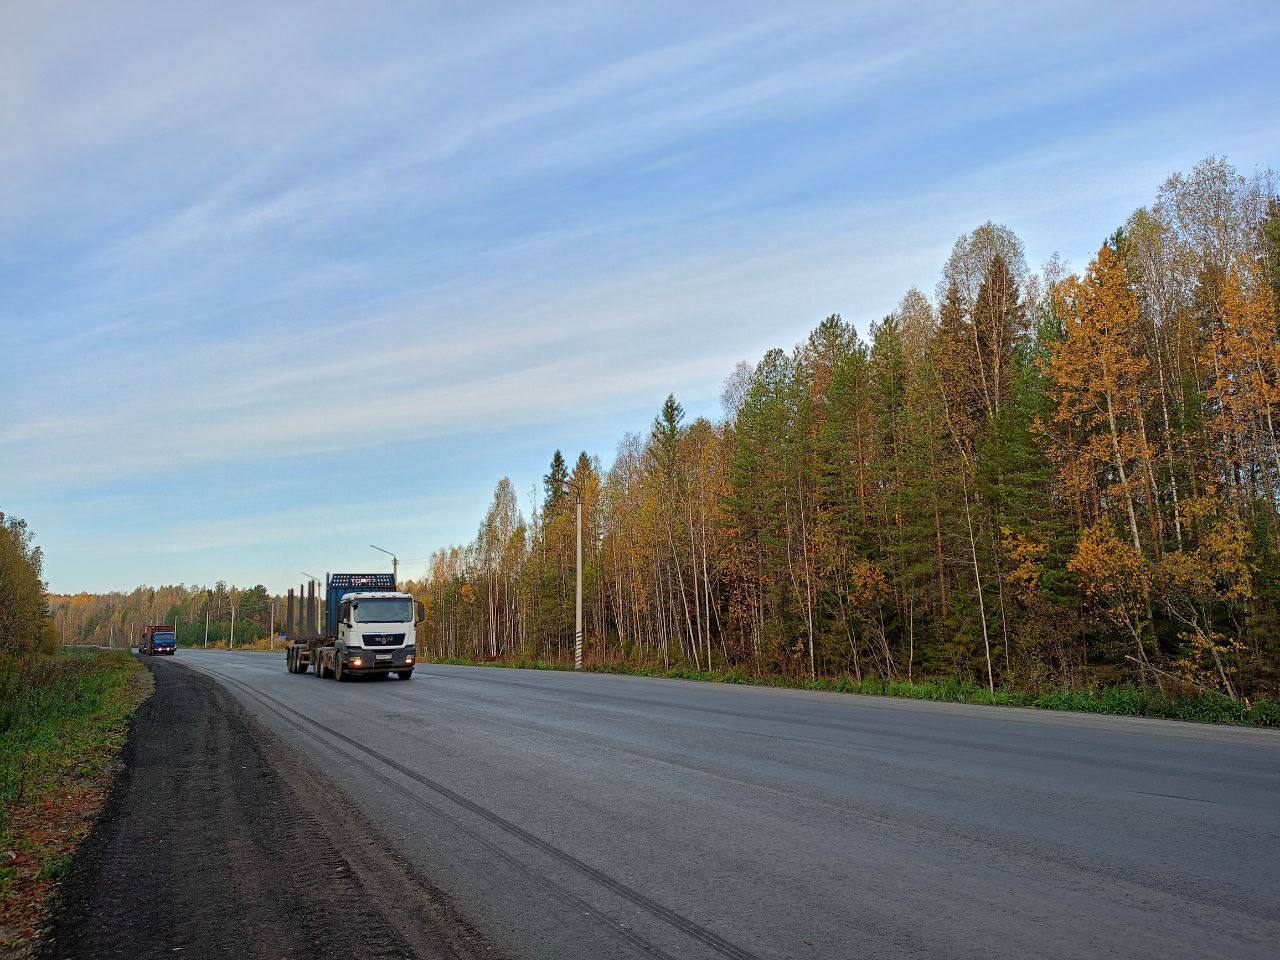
213, 843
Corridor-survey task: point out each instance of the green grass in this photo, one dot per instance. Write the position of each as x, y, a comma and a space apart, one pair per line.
63, 721
54, 709
1128, 701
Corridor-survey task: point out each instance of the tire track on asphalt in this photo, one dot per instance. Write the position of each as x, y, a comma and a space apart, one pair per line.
690, 928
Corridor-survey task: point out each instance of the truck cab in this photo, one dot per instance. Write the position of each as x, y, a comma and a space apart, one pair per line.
164, 641
369, 627
376, 633
158, 639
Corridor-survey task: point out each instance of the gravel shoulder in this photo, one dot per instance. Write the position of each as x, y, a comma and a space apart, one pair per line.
219, 840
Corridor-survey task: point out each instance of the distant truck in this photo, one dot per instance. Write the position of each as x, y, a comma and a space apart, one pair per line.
370, 628
158, 639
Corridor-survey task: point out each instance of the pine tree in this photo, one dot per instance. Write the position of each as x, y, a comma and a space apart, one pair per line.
553, 485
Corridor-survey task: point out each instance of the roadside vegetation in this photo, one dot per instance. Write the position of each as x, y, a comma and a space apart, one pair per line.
1058, 486
63, 721
1043, 486
218, 615
64, 714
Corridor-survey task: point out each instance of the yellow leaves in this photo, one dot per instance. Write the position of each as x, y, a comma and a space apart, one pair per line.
1097, 364
1097, 374
868, 585
1226, 553
1217, 570
1203, 661
1025, 556
1244, 353
1113, 575
1196, 586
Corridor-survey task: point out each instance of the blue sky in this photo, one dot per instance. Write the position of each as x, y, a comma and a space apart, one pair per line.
279, 281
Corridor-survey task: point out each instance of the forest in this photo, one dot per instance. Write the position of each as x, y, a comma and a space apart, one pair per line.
1030, 479
204, 616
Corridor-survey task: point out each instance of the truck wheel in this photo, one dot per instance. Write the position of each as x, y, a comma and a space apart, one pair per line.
291, 662
404, 674
339, 673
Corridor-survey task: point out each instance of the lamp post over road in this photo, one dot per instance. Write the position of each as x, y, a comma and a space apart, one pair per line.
395, 563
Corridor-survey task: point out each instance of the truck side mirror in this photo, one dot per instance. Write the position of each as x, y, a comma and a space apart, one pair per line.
421, 611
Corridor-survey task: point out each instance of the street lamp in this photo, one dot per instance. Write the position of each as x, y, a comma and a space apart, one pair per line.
577, 622
395, 563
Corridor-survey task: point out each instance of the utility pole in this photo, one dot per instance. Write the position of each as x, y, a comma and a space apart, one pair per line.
231, 640
577, 623
272, 633
206, 626
395, 563
577, 620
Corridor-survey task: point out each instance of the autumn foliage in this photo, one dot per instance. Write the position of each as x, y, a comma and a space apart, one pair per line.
1040, 478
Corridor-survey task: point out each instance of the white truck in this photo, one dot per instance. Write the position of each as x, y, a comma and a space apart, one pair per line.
370, 628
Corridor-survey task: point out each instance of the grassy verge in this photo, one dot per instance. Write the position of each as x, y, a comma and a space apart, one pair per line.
1124, 701
263, 644
63, 720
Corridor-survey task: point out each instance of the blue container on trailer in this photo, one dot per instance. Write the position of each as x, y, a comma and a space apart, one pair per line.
344, 583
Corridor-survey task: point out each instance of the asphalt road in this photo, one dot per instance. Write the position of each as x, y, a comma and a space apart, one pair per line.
192, 857
572, 816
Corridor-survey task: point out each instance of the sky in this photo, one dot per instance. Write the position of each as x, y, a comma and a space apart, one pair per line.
279, 281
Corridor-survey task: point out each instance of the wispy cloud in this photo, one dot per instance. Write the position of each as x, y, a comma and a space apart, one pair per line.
248, 250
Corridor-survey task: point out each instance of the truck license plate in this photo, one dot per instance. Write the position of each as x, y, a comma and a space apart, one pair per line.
382, 656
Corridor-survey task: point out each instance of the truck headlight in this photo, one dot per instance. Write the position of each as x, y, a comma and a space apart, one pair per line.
357, 662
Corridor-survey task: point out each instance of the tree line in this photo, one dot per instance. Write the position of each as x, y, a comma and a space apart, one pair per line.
1031, 478
199, 613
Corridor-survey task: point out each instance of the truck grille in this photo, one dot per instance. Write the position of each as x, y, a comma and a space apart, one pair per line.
383, 639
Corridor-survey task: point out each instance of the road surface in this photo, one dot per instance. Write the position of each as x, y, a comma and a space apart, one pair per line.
193, 857
575, 816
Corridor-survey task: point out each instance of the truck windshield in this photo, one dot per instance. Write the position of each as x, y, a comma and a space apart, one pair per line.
385, 610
